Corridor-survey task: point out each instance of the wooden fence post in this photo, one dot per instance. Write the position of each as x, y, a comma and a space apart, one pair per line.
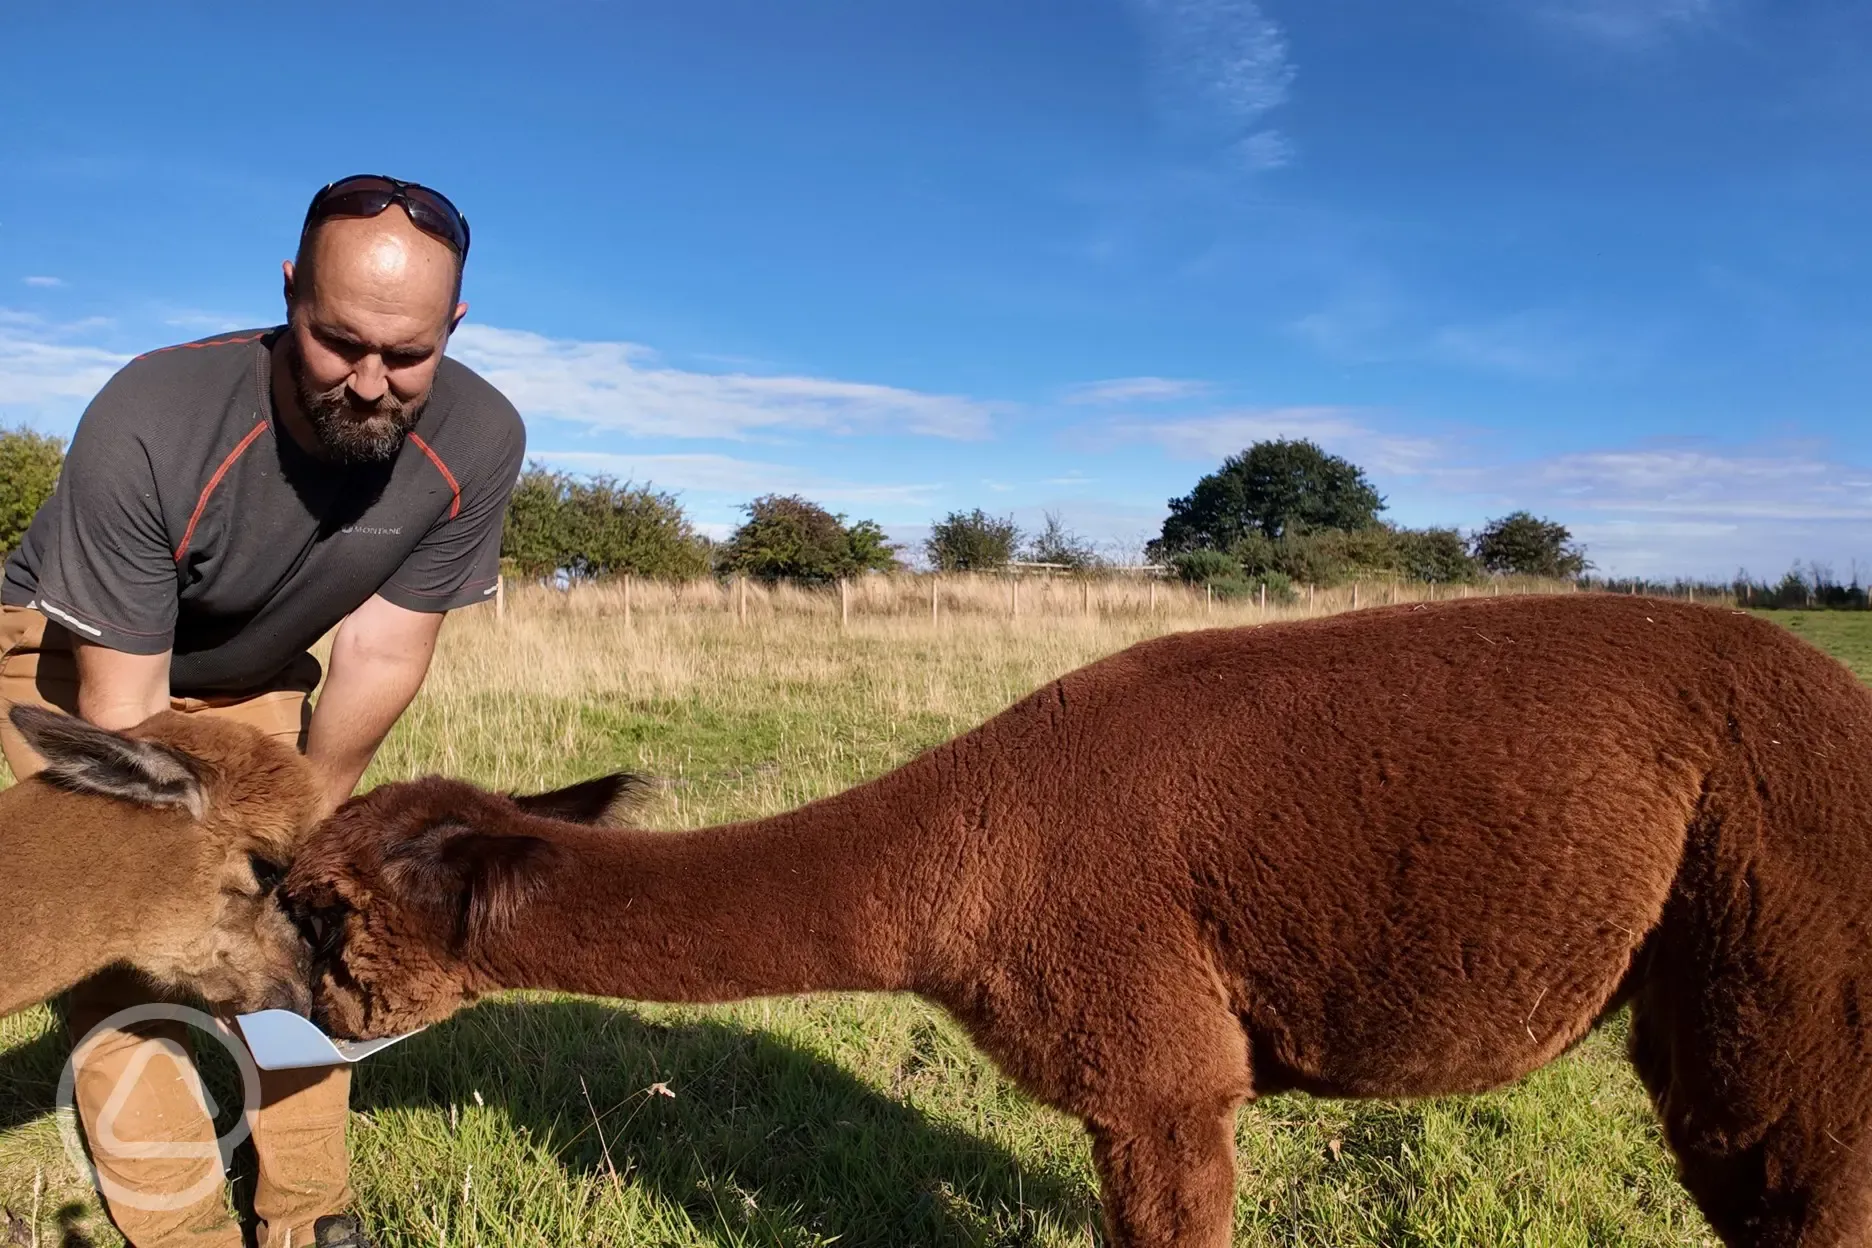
1264, 595
1355, 595
844, 603
1014, 596
934, 577
1208, 598
1310, 588
500, 596
1085, 597
1153, 597
627, 598
741, 605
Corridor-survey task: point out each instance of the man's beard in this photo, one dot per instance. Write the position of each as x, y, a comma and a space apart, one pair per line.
351, 434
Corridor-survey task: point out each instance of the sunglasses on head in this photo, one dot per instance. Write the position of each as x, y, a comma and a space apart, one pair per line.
367, 194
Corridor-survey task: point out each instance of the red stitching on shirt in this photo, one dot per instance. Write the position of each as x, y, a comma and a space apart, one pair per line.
201, 503
212, 342
454, 507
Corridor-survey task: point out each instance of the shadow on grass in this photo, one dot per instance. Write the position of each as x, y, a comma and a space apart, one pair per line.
29, 1076
707, 1113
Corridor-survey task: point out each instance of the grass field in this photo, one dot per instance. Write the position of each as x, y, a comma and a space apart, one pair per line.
844, 1120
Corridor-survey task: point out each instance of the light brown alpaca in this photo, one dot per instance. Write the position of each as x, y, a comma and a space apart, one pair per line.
1397, 853
160, 847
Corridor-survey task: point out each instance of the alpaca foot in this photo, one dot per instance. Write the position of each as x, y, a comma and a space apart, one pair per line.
1167, 1179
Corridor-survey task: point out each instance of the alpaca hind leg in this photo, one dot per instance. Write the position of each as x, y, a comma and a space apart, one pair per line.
1168, 1180
1775, 1148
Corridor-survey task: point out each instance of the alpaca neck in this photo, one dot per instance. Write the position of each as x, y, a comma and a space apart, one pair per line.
818, 899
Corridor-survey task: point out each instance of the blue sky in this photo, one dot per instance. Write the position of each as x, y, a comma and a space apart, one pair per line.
1604, 259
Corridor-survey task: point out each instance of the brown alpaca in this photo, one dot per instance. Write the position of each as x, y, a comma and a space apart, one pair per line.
1397, 853
160, 847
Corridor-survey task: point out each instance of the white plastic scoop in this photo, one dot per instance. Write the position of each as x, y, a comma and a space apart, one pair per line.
283, 1040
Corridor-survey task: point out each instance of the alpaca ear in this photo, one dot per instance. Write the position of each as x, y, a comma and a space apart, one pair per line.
84, 758
605, 800
476, 881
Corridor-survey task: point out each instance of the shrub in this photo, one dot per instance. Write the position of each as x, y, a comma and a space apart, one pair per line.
1058, 544
1205, 567
1280, 587
1525, 545
787, 536
972, 542
598, 527
29, 469
1438, 556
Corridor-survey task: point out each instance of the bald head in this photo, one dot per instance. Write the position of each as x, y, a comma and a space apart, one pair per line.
371, 302
384, 260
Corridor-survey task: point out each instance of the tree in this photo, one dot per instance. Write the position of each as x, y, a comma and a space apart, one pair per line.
1270, 488
1058, 544
972, 542
787, 536
1525, 545
29, 469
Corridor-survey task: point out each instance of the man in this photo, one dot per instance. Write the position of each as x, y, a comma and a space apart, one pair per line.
223, 505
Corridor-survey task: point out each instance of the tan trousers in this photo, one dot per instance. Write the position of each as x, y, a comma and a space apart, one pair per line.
299, 1128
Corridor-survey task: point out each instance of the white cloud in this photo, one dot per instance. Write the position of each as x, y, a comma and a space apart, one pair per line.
725, 474
1335, 429
1525, 345
1264, 149
1136, 390
43, 281
1682, 510
1688, 482
1217, 68
43, 368
208, 322
1626, 23
622, 386
1541, 343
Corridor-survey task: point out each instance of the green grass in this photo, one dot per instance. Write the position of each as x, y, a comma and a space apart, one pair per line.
1846, 635
848, 1120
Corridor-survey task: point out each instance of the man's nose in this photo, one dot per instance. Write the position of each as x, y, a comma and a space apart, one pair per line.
368, 380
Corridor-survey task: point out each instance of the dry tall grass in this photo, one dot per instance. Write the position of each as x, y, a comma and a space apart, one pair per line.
934, 597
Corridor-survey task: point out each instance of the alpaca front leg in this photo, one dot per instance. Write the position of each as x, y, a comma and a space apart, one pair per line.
1168, 1180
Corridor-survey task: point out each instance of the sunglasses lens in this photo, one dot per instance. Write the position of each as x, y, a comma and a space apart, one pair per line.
366, 195
434, 213
356, 202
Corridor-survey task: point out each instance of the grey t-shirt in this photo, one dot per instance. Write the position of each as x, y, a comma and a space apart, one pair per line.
185, 520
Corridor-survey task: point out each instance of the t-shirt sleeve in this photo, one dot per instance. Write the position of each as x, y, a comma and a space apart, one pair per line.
458, 561
107, 572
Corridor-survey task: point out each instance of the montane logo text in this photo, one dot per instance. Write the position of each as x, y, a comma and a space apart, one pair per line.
373, 530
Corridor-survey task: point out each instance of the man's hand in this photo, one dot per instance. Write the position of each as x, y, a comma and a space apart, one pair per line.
378, 662
118, 690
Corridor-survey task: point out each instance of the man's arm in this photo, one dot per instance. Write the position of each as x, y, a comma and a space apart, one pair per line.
118, 690
378, 662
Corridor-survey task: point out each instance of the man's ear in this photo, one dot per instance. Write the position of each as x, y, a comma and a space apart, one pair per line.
289, 282
455, 319
84, 758
475, 882
603, 801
